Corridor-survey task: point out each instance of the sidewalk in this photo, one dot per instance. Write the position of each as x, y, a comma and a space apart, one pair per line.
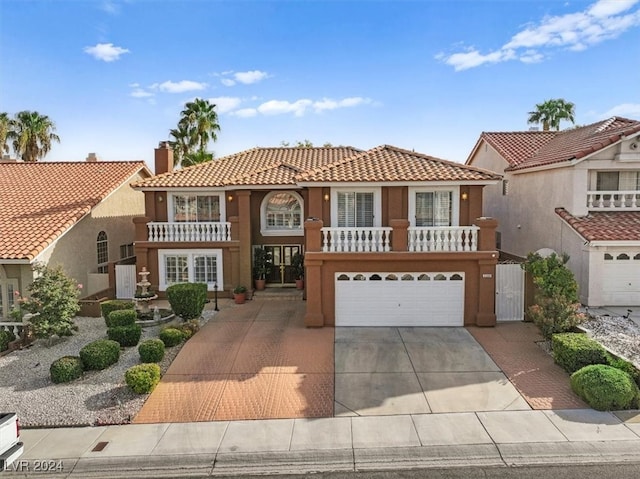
498, 438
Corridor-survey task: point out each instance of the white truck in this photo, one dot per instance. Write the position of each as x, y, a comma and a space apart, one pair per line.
10, 446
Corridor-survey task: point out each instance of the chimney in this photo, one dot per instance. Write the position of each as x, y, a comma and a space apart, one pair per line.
163, 158
92, 158
534, 128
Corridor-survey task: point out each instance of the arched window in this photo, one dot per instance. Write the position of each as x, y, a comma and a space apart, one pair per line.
103, 252
282, 214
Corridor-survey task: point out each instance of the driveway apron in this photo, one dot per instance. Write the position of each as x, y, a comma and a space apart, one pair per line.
251, 361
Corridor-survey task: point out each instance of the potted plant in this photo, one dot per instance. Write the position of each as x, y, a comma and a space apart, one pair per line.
297, 262
240, 294
261, 267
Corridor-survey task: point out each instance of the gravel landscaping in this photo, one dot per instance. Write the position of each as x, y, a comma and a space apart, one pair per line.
619, 335
98, 398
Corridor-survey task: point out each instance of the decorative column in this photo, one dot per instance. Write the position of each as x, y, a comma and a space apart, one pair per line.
400, 235
244, 236
487, 272
313, 273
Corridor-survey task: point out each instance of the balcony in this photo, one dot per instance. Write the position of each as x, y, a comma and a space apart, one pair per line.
345, 240
613, 200
189, 232
443, 238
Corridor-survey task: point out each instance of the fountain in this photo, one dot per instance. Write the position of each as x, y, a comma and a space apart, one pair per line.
144, 297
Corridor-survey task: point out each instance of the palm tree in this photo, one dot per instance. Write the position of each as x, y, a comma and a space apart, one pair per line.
198, 126
6, 126
550, 112
196, 158
180, 144
32, 135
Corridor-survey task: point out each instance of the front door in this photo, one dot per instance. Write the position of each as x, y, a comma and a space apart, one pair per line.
282, 272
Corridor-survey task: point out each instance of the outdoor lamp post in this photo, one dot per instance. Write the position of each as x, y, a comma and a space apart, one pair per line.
215, 296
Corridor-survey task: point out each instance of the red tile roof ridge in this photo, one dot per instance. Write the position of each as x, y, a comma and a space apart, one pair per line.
604, 225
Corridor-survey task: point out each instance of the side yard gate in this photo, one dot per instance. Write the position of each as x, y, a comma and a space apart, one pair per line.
509, 292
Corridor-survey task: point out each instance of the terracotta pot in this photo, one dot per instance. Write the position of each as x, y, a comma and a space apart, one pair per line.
239, 298
299, 283
260, 284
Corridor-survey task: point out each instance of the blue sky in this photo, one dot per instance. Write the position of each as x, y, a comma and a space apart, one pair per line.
424, 75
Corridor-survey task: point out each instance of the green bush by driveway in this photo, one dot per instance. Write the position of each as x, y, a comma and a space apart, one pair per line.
605, 388
574, 351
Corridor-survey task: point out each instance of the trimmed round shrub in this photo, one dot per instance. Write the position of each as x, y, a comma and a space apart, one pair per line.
142, 378
625, 366
125, 335
604, 388
122, 317
5, 338
100, 354
106, 307
65, 369
151, 350
574, 351
171, 337
187, 300
189, 328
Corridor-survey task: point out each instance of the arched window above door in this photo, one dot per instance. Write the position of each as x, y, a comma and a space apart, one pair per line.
281, 214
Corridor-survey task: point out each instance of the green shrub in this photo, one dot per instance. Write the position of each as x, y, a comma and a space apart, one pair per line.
574, 351
625, 366
555, 315
107, 307
100, 354
189, 328
142, 378
551, 276
605, 388
122, 317
171, 336
151, 350
125, 335
187, 299
65, 369
5, 338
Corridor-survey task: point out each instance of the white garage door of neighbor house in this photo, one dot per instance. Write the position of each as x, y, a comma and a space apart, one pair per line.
621, 279
400, 299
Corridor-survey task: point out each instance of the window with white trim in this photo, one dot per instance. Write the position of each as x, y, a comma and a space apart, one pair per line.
190, 266
102, 247
618, 181
355, 209
433, 207
194, 208
281, 214
8, 289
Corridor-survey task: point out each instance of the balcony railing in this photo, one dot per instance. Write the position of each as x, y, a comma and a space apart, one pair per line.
613, 200
443, 238
183, 232
345, 240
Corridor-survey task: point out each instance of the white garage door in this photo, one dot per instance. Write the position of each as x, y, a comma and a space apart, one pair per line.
621, 281
400, 299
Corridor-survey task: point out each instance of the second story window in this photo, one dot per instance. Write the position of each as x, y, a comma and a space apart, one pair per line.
618, 181
282, 214
196, 208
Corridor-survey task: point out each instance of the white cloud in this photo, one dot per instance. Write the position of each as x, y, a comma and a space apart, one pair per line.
329, 104
249, 77
631, 110
110, 7
279, 107
226, 104
603, 20
245, 112
107, 52
179, 87
140, 93
227, 82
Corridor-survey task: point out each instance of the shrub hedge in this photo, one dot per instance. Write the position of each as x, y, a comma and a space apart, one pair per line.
5, 338
189, 328
605, 388
122, 317
142, 378
106, 307
574, 351
100, 354
171, 336
151, 350
187, 300
125, 335
65, 369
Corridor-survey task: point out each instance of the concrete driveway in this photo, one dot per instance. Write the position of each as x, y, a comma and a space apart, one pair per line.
383, 371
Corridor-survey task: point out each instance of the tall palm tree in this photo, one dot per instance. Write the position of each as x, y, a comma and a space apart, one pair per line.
6, 126
180, 144
550, 112
196, 158
32, 135
201, 120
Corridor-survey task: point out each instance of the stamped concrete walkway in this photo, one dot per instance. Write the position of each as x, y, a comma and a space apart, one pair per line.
252, 361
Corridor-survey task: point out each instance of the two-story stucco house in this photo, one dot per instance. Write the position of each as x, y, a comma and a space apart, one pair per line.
390, 236
575, 191
74, 214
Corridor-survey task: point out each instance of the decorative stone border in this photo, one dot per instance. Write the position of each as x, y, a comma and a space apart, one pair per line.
154, 322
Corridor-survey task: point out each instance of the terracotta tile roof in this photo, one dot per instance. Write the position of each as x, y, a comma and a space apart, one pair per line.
40, 201
258, 166
528, 149
289, 166
391, 164
605, 226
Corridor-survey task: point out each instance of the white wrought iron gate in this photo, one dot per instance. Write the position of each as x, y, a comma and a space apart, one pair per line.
509, 292
125, 281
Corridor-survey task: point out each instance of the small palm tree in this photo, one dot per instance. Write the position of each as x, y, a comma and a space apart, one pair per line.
6, 127
180, 144
32, 135
550, 112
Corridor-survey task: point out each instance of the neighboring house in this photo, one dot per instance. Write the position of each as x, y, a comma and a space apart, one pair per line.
74, 214
391, 237
575, 191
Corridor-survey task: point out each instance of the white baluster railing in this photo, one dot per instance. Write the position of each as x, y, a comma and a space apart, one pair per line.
613, 200
196, 232
349, 240
443, 238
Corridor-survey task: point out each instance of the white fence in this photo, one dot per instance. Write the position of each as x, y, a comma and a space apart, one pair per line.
182, 232
356, 239
443, 238
613, 200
